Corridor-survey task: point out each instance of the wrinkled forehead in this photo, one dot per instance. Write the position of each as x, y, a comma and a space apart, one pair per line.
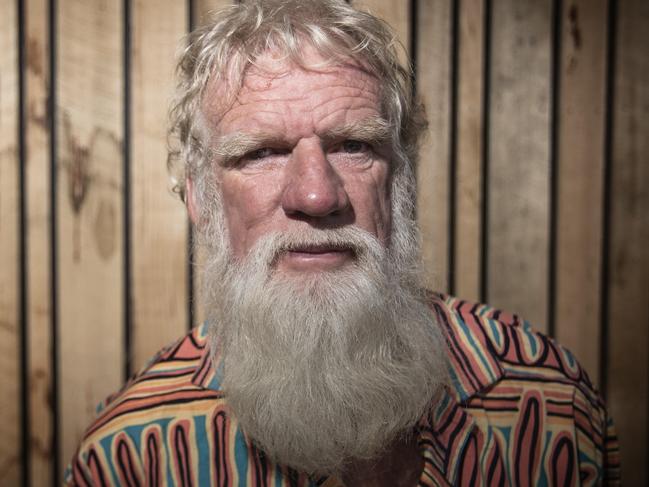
273, 69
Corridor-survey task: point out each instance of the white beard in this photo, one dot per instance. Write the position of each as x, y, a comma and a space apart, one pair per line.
324, 368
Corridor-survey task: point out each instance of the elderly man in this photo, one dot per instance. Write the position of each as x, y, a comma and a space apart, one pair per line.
323, 362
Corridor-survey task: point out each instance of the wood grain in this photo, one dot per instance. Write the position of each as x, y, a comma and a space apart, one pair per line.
158, 218
469, 177
628, 318
38, 233
89, 211
10, 404
580, 179
433, 85
518, 195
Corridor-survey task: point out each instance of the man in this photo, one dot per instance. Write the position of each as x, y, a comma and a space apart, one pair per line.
323, 362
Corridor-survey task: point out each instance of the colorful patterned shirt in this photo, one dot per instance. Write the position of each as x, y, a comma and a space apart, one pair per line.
521, 411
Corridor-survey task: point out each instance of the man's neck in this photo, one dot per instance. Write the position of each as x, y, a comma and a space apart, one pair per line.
399, 466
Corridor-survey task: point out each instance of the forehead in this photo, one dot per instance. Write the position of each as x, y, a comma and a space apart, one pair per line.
275, 78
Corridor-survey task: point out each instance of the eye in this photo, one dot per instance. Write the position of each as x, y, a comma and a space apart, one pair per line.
351, 153
354, 146
264, 157
260, 153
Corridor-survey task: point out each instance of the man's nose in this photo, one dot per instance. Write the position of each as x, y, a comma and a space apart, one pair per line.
313, 187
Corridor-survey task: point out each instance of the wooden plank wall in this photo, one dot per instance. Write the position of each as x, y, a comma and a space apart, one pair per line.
532, 195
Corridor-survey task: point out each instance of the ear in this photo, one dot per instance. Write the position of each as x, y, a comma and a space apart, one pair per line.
190, 201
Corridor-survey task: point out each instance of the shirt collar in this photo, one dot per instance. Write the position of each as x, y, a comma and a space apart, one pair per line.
205, 376
472, 359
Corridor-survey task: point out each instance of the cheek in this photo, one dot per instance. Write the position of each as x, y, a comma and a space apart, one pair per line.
371, 194
248, 205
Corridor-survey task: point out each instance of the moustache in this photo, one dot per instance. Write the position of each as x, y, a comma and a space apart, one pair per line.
360, 243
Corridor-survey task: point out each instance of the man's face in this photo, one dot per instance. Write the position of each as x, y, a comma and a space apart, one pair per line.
302, 149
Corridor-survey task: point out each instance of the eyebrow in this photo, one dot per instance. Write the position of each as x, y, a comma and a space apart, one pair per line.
232, 147
374, 130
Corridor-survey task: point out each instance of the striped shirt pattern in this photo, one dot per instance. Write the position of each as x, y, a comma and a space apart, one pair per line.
520, 412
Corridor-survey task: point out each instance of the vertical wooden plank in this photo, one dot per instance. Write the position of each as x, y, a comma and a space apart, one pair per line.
519, 158
158, 218
200, 15
9, 251
628, 318
469, 177
89, 210
580, 179
434, 87
38, 188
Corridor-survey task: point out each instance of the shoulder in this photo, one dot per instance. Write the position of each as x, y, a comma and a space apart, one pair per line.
162, 394
505, 345
512, 378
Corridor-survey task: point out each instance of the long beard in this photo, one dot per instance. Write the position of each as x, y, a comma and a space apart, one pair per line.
323, 368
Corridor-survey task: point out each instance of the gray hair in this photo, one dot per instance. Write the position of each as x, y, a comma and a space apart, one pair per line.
221, 51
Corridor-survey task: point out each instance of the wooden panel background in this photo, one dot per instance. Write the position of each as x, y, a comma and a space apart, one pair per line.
532, 195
